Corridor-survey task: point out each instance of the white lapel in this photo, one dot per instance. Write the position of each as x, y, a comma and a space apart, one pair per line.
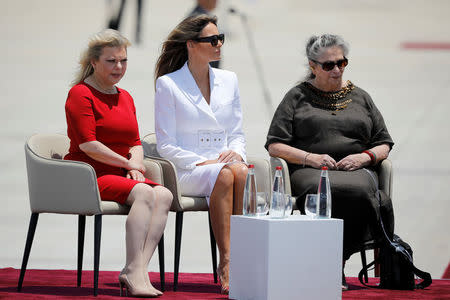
215, 83
192, 92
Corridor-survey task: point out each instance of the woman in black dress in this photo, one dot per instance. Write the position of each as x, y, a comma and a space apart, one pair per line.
326, 121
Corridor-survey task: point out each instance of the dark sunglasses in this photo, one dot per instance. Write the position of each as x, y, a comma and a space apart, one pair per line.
329, 65
213, 39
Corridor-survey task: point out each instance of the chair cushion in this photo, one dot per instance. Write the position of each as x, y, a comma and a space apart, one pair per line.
194, 203
114, 208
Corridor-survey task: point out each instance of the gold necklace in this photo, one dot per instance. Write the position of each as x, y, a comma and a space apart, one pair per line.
331, 100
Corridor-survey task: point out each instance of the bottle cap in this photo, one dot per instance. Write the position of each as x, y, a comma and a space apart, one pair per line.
324, 168
278, 168
251, 166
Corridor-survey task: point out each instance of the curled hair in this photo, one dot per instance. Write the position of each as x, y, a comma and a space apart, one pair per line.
317, 44
100, 40
174, 51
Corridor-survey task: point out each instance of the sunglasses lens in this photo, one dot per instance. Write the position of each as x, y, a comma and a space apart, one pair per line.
328, 65
214, 41
342, 63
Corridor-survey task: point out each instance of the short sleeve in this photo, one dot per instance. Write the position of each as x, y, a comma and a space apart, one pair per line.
281, 128
80, 116
379, 135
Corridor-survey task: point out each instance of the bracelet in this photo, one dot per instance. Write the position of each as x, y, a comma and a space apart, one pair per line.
373, 157
304, 161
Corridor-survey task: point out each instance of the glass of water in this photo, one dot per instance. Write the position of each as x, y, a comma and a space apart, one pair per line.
310, 205
288, 208
262, 203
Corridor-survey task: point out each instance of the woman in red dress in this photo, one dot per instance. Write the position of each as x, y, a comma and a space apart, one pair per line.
103, 132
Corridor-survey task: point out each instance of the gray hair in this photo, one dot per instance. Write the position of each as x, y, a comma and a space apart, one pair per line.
317, 44
100, 40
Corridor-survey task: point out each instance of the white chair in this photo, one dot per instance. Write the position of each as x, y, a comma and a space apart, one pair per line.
70, 187
182, 203
385, 178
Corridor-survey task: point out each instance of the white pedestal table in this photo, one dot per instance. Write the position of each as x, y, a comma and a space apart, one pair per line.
292, 258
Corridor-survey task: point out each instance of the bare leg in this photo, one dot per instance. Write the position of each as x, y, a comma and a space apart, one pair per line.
157, 224
240, 176
142, 200
220, 208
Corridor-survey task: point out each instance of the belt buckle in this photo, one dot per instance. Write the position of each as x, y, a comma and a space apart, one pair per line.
204, 138
218, 138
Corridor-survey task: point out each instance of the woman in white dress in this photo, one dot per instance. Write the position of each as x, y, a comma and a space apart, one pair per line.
199, 124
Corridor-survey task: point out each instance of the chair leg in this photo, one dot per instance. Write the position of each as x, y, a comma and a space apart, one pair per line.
376, 252
178, 231
161, 263
364, 263
213, 249
81, 230
26, 254
97, 239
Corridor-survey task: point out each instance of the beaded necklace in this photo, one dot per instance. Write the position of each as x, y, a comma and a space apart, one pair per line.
331, 100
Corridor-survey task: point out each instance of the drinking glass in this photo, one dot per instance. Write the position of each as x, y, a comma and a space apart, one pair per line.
288, 207
262, 203
311, 204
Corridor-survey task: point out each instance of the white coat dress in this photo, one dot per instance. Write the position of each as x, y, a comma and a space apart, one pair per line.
189, 131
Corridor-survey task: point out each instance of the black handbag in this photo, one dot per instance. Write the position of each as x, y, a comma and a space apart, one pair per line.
397, 269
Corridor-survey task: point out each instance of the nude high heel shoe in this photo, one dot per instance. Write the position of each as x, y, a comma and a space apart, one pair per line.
134, 291
224, 287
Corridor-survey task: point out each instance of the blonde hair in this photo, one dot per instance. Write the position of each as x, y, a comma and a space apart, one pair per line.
174, 52
100, 40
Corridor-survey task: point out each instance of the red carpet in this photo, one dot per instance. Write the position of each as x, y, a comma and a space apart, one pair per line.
61, 284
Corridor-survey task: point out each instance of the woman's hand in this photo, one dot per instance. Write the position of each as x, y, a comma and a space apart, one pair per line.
354, 162
136, 175
319, 160
135, 165
228, 156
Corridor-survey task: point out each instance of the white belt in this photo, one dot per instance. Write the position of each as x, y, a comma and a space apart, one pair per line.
204, 139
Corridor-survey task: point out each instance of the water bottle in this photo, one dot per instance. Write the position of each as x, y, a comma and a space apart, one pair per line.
324, 196
249, 208
277, 205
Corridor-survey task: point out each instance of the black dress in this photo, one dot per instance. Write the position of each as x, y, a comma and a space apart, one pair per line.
338, 124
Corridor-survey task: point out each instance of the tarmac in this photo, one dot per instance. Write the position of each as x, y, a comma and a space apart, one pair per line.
41, 43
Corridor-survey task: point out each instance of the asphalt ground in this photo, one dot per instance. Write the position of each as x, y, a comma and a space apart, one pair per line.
41, 42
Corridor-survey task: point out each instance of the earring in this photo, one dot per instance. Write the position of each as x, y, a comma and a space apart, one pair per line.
312, 69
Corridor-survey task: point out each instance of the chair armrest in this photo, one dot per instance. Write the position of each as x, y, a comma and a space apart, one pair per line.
61, 186
277, 161
385, 177
170, 180
153, 170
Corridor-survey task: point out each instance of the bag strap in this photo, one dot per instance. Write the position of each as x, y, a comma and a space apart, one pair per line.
363, 271
425, 276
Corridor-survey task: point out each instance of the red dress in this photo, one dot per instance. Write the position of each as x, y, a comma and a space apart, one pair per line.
111, 120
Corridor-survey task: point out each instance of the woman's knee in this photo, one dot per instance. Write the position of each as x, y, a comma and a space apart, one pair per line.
143, 193
164, 196
225, 177
240, 172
